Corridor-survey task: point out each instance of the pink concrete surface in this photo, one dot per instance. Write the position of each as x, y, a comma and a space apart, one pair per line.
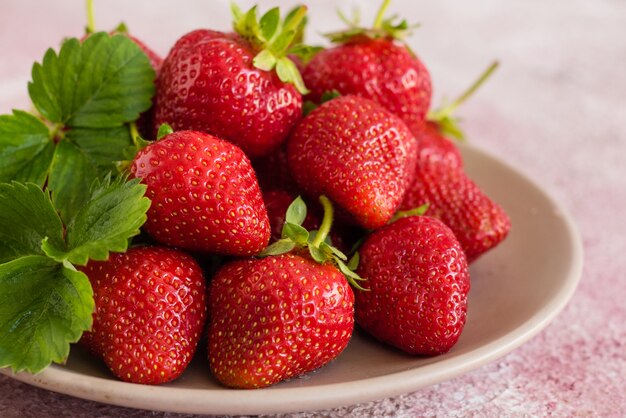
556, 110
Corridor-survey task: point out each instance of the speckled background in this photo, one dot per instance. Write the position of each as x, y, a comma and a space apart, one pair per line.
556, 110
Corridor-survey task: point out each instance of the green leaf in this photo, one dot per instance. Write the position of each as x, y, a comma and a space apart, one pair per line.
317, 254
296, 212
71, 175
27, 217
44, 306
288, 73
353, 264
282, 42
102, 147
270, 22
332, 251
103, 82
164, 130
25, 148
112, 214
304, 52
296, 233
351, 276
264, 60
281, 246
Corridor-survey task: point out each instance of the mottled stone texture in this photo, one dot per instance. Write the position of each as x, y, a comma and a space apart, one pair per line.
555, 110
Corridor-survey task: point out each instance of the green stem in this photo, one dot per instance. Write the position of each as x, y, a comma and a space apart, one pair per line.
91, 21
327, 222
472, 89
378, 23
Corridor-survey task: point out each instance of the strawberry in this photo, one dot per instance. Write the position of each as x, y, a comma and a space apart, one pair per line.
358, 154
150, 312
418, 281
205, 196
221, 83
276, 318
284, 315
440, 181
372, 63
477, 221
273, 172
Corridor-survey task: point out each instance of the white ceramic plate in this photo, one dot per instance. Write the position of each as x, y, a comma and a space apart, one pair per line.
517, 289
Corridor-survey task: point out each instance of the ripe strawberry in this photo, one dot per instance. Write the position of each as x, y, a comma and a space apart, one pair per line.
204, 194
417, 280
150, 312
371, 63
273, 173
479, 223
284, 315
358, 154
222, 84
276, 318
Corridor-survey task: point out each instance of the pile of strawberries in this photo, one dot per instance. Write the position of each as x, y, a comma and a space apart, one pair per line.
246, 122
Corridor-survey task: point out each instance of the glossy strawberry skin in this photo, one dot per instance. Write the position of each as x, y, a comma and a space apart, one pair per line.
358, 154
437, 149
208, 83
276, 318
418, 282
478, 222
204, 193
380, 70
150, 313
273, 172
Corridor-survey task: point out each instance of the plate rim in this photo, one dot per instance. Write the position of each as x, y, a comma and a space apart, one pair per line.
296, 399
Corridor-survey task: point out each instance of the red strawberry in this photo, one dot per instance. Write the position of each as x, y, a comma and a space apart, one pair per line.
358, 154
417, 280
276, 318
477, 221
371, 63
150, 312
204, 194
221, 83
284, 315
437, 149
273, 172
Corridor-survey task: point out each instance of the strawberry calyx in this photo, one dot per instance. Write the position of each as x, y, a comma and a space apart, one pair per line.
295, 237
383, 28
308, 106
418, 211
274, 40
444, 117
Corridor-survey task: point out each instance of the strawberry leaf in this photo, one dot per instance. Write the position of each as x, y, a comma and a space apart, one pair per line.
71, 174
296, 212
102, 147
44, 306
296, 233
281, 246
354, 261
164, 130
288, 73
25, 148
269, 23
27, 217
112, 214
103, 82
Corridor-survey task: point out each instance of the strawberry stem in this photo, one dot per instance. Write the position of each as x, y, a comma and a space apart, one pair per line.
449, 109
380, 16
327, 222
91, 21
